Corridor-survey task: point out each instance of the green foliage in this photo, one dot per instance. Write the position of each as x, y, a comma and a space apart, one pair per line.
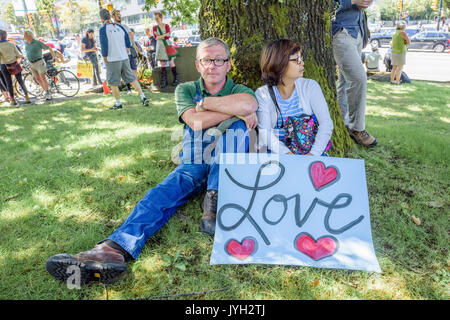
78, 16
181, 11
416, 9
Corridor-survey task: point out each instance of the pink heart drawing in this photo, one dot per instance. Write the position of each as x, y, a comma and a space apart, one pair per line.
321, 176
324, 247
241, 250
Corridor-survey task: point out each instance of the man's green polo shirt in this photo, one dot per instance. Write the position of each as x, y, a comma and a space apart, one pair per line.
185, 94
34, 49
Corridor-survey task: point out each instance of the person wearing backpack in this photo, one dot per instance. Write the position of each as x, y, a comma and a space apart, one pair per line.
293, 116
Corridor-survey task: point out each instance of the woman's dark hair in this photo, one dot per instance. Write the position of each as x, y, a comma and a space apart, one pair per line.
90, 41
3, 35
87, 33
275, 60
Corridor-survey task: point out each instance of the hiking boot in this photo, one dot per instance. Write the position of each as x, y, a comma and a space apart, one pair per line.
115, 107
102, 263
363, 138
209, 207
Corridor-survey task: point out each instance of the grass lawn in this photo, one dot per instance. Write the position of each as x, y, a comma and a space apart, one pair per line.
72, 171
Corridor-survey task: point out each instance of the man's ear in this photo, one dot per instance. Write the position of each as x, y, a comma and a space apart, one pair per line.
229, 65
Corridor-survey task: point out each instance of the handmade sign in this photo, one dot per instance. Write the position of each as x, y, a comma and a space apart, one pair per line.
293, 210
84, 70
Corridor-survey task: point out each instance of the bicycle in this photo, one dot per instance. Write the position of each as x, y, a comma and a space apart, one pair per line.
60, 81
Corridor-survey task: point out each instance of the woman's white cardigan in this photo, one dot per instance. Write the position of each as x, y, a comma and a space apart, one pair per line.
312, 101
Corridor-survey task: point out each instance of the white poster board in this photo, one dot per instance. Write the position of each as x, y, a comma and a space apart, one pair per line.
293, 210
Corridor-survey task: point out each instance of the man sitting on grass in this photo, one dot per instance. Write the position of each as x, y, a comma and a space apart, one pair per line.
213, 101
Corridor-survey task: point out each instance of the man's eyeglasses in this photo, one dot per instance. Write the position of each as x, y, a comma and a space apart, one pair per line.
206, 62
299, 59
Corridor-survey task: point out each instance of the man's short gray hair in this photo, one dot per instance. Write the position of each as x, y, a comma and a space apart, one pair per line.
30, 33
105, 15
212, 42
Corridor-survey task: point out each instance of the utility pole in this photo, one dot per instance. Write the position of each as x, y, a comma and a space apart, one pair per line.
439, 15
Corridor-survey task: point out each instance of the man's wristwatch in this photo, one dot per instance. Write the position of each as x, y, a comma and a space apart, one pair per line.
200, 104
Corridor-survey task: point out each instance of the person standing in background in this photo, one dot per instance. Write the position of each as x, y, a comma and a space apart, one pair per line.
89, 48
350, 36
115, 45
9, 58
164, 51
117, 16
150, 45
38, 68
399, 42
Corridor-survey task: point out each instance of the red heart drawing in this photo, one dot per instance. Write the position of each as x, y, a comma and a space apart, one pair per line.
241, 250
322, 248
322, 176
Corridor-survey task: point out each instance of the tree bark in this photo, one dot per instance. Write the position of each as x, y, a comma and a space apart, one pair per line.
246, 25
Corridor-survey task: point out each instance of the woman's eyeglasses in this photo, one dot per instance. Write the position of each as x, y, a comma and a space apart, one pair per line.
299, 59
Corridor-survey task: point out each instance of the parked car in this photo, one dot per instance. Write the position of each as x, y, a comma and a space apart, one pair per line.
384, 37
431, 40
375, 27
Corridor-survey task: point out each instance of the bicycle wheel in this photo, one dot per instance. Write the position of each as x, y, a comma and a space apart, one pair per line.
33, 86
66, 83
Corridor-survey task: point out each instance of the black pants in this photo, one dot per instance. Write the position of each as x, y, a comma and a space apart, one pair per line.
9, 84
3, 86
96, 75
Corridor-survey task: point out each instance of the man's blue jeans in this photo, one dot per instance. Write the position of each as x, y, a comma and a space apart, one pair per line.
162, 201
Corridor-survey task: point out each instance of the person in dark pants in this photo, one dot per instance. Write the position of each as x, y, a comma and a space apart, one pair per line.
150, 45
9, 54
3, 87
89, 48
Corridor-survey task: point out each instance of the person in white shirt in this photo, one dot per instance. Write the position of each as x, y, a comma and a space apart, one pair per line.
115, 44
372, 60
282, 69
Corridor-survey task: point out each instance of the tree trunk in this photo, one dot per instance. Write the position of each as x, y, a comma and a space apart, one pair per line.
246, 25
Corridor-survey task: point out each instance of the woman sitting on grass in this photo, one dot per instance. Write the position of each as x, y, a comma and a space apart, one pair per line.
289, 104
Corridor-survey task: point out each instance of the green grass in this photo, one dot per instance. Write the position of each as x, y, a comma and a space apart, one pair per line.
75, 170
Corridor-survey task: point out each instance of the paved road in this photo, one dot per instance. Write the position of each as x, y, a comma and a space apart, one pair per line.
425, 65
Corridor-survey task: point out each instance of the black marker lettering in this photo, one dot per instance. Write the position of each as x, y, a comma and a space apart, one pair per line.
246, 212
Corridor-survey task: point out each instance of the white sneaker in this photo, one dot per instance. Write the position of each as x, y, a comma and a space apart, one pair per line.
48, 96
128, 91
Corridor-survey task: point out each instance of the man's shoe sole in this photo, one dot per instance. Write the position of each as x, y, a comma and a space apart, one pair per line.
105, 272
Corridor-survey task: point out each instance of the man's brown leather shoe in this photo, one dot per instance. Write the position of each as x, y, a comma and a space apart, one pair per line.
209, 207
363, 138
102, 263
